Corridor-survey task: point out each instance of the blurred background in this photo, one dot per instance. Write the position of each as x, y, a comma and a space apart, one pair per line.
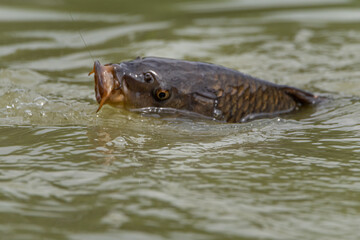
69, 173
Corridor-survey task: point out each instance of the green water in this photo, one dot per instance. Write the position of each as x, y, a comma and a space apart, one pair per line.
68, 173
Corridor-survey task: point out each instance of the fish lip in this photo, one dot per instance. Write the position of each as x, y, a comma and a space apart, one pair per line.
108, 84
105, 80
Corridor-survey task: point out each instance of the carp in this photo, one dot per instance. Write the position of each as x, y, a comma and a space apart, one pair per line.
205, 89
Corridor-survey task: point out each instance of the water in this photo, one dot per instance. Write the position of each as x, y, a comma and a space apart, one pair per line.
69, 173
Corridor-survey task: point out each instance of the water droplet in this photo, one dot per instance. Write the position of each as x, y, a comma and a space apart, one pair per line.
217, 113
28, 112
40, 101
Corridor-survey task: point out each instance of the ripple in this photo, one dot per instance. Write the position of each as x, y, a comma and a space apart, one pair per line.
323, 15
252, 5
8, 14
69, 173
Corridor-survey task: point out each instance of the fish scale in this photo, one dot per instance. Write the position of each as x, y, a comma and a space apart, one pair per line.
253, 98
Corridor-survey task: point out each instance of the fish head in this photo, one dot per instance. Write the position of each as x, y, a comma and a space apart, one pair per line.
153, 82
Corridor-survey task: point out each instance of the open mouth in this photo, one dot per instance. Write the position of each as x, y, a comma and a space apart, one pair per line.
104, 82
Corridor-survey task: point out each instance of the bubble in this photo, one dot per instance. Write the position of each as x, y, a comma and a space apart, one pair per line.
117, 142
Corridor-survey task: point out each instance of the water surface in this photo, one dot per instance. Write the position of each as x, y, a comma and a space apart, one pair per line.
69, 173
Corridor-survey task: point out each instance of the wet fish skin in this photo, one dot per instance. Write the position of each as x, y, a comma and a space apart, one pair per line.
207, 89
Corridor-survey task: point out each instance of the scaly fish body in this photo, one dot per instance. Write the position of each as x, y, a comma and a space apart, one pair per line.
207, 89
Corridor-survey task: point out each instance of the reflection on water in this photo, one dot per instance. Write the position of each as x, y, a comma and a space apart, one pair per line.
69, 173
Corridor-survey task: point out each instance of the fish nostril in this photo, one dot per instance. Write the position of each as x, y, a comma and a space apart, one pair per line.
148, 77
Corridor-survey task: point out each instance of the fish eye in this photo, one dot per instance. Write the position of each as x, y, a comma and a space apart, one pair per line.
162, 94
148, 77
